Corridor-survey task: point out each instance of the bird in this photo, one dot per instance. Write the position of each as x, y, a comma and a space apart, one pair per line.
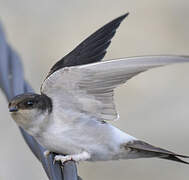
72, 115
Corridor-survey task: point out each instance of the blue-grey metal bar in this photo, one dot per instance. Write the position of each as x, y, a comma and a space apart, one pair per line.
12, 83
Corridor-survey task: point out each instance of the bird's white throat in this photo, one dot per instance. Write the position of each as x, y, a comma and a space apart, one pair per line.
30, 120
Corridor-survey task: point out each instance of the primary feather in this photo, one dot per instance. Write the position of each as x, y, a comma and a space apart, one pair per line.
92, 49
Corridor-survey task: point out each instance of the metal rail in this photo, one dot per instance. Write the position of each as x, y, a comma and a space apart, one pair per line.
12, 83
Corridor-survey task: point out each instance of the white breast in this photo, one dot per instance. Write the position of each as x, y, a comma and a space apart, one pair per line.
101, 140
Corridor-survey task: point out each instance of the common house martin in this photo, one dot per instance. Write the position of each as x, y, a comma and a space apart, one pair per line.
71, 115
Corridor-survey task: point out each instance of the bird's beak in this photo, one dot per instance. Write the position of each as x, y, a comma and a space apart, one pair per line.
13, 109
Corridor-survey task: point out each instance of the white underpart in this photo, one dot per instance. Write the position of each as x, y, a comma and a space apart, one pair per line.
101, 140
31, 120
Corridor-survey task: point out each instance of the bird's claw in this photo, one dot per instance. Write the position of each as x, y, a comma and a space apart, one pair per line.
62, 159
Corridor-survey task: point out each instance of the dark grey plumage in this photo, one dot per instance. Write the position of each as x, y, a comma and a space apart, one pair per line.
92, 49
147, 150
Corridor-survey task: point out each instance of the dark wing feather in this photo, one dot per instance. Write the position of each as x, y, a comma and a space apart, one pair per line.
92, 49
144, 149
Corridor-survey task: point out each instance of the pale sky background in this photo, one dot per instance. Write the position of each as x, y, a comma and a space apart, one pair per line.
153, 106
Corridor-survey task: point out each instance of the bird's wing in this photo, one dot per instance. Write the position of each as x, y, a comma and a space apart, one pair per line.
92, 49
89, 89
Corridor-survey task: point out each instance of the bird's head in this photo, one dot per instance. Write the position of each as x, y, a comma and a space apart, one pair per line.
28, 107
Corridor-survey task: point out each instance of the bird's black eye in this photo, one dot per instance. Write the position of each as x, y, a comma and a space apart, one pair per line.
29, 103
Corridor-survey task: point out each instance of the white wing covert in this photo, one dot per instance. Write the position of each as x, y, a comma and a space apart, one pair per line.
90, 88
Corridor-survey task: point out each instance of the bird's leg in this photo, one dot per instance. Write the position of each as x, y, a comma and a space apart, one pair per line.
74, 157
46, 153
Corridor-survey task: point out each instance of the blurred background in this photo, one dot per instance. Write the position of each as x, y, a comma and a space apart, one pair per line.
153, 106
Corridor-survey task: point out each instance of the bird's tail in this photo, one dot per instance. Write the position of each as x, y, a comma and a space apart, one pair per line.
140, 149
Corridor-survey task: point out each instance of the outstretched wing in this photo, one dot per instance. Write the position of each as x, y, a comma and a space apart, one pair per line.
89, 89
92, 49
